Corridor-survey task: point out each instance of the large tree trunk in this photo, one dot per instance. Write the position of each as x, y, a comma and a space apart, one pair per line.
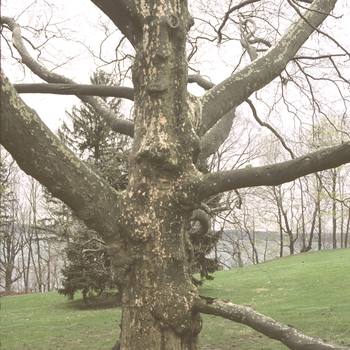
145, 226
158, 296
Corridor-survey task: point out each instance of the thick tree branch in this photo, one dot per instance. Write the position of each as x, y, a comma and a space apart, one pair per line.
96, 90
275, 174
287, 335
237, 88
214, 138
200, 81
32, 144
203, 218
122, 126
76, 89
124, 16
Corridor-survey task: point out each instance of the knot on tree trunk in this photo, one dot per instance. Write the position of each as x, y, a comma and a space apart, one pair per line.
176, 309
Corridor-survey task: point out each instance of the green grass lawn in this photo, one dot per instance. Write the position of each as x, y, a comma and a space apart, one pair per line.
49, 321
310, 291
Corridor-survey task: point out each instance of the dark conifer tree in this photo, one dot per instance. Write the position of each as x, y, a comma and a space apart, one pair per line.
88, 266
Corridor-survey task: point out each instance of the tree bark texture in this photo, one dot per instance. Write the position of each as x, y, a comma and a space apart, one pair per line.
145, 226
273, 329
41, 154
158, 295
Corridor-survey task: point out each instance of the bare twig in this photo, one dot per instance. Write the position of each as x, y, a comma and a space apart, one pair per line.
227, 15
317, 29
268, 126
203, 83
117, 124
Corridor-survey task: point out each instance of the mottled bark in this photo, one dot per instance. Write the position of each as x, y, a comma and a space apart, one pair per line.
275, 174
41, 154
158, 294
273, 329
145, 225
123, 13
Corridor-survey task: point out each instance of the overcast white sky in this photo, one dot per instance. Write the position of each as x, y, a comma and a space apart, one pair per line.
79, 17
79, 22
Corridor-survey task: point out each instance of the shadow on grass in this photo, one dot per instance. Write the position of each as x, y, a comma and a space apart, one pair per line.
107, 300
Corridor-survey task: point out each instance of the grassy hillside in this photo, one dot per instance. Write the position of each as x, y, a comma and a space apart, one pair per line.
310, 291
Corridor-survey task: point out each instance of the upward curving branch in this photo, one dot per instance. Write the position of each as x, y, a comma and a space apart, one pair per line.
122, 126
123, 15
215, 137
43, 156
237, 88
